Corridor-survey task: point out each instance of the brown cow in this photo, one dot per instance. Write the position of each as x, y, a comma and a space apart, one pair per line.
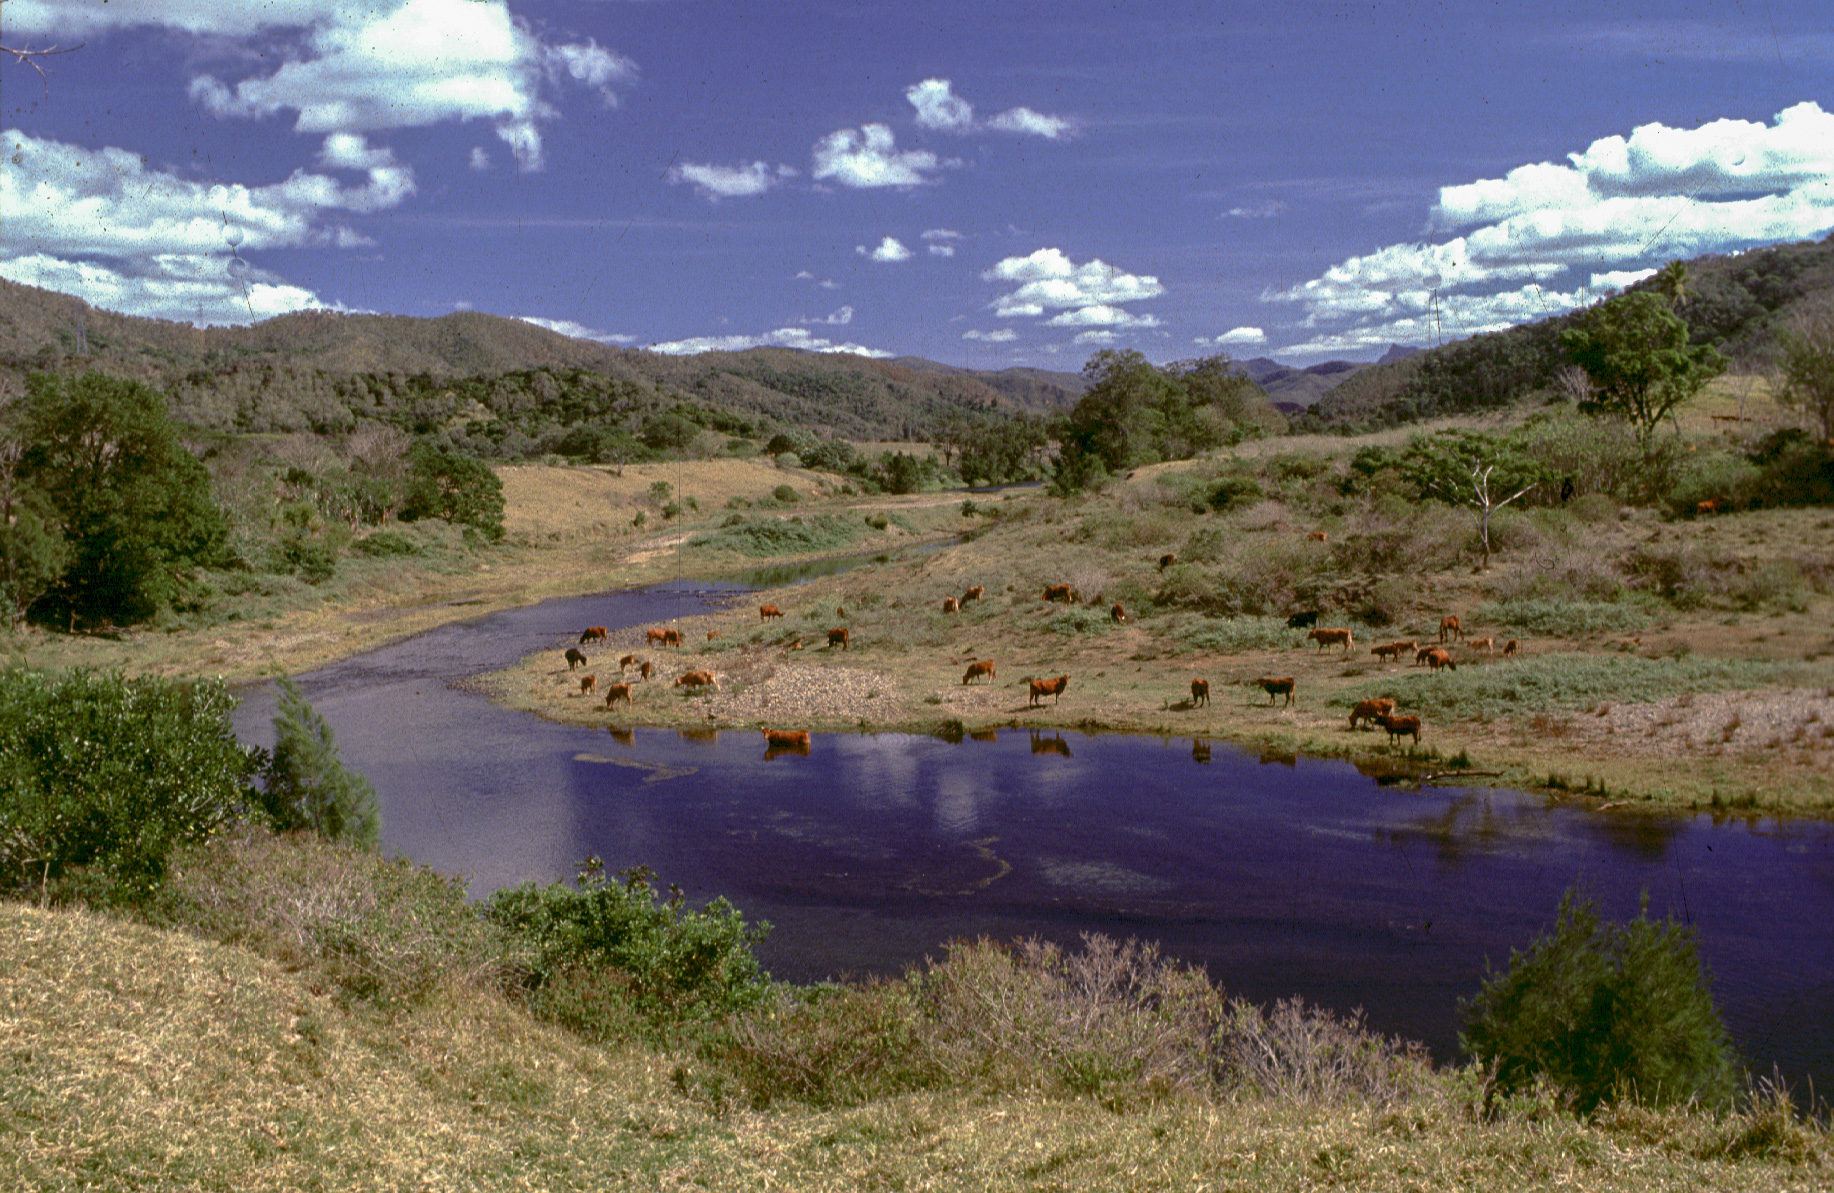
1400, 727
657, 637
951, 605
766, 612
1277, 687
643, 669
696, 679
984, 667
592, 634
1369, 710
1709, 506
1484, 644
575, 657
1420, 656
671, 637
1509, 647
1200, 692
1167, 560
786, 740
1117, 614
587, 683
840, 611
615, 692
1439, 657
1449, 628
1060, 592
1340, 637
1049, 687
974, 594
1394, 650
1317, 536
838, 637
712, 634
629, 660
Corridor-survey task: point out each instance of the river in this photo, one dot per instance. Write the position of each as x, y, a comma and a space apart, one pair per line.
1280, 876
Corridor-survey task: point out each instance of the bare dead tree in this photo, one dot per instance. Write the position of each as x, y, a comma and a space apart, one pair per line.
27, 56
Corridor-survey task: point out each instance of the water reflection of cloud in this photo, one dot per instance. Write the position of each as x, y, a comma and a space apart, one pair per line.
1098, 878
881, 770
958, 803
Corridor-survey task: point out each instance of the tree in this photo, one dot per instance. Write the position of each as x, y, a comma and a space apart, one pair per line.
1635, 350
1671, 282
1471, 469
1805, 375
459, 488
135, 506
307, 785
1603, 1010
1120, 420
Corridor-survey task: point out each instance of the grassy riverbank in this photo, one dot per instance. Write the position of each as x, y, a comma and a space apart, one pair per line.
309, 1017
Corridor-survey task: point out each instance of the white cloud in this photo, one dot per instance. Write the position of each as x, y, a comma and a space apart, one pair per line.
577, 331
1036, 124
729, 182
940, 234
938, 108
1266, 209
1235, 335
869, 157
1617, 209
191, 287
401, 64
942, 250
1101, 315
1004, 335
480, 160
1050, 280
840, 317
824, 283
941, 241
1096, 337
889, 250
783, 337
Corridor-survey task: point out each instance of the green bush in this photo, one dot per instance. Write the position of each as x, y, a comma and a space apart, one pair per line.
1234, 492
1555, 618
608, 955
307, 785
785, 493
101, 777
1241, 633
824, 532
384, 543
1605, 1011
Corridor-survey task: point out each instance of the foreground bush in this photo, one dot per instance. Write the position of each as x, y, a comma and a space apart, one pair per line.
606, 957
101, 777
1605, 1011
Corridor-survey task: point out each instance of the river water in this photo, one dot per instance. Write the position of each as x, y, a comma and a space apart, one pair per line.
1280, 876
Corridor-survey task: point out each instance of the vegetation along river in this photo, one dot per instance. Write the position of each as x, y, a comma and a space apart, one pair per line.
1280, 876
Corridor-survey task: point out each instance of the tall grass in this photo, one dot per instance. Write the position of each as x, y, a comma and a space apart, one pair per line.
775, 536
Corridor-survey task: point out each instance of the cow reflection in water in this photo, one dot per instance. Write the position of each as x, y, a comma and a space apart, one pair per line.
984, 735
624, 737
700, 737
1200, 750
1050, 745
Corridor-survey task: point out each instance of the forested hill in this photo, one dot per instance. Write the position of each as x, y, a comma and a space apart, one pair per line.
323, 371
1736, 303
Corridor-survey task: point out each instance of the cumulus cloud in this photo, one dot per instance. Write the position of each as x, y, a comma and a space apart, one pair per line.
730, 182
1004, 335
1233, 337
405, 64
577, 331
825, 283
939, 108
480, 160
1264, 210
840, 317
869, 157
941, 241
783, 337
1084, 295
1614, 210
890, 249
186, 286
1036, 124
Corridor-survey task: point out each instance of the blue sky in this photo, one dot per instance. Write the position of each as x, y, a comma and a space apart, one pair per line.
985, 184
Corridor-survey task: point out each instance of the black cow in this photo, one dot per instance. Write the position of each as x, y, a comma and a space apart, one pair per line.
1303, 621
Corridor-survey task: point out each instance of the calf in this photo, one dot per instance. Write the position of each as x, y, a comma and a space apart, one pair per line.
1276, 688
766, 612
1709, 506
615, 692
1369, 710
1509, 647
1400, 727
1438, 657
1326, 638
840, 611
629, 660
1167, 560
696, 679
1117, 614
974, 594
984, 667
1317, 536
1484, 644
643, 669
1060, 592
1394, 650
712, 634
838, 637
587, 683
1049, 687
575, 657
951, 605
1420, 656
1449, 628
1300, 621
593, 634
1200, 692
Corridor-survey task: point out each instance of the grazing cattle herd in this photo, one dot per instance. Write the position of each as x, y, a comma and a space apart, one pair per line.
1363, 713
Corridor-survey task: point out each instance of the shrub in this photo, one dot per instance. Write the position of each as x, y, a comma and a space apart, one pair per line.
785, 493
610, 944
773, 536
1241, 633
383, 543
1555, 618
306, 785
101, 777
1234, 492
1604, 1011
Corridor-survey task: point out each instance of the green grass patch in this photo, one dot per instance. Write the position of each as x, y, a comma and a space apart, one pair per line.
1075, 622
1238, 634
1551, 618
792, 536
1564, 683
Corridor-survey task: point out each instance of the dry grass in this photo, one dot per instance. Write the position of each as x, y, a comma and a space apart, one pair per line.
134, 1058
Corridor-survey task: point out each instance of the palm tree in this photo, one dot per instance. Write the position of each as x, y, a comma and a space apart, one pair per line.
1672, 284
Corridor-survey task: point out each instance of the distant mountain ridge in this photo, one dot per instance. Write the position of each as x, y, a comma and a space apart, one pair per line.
1293, 389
